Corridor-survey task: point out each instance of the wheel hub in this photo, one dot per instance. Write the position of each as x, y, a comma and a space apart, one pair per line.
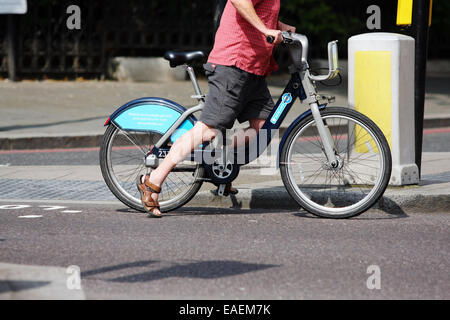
336, 165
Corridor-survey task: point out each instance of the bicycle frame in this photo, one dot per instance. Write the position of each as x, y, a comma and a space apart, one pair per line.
301, 85
293, 90
142, 120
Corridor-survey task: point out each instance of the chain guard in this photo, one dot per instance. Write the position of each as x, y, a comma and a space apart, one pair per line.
222, 175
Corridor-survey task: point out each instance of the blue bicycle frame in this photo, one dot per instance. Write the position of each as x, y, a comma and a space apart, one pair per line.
171, 120
292, 91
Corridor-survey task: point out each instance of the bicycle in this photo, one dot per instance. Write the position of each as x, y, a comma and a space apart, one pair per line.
334, 161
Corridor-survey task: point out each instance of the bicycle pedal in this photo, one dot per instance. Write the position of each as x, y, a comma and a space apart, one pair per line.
221, 190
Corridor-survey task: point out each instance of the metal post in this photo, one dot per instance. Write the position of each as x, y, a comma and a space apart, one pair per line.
420, 26
11, 51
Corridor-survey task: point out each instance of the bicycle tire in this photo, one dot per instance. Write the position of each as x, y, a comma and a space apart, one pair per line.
304, 199
130, 197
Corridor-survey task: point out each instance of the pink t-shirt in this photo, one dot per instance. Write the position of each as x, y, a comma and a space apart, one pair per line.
240, 44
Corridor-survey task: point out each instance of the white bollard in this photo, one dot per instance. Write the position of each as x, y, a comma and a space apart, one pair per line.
381, 86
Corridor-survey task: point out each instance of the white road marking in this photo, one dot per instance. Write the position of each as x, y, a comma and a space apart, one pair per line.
14, 206
44, 208
52, 207
31, 216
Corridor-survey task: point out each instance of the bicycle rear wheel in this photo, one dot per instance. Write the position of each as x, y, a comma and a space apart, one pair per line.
359, 179
122, 156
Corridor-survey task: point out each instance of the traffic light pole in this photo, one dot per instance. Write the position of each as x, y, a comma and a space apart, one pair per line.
420, 26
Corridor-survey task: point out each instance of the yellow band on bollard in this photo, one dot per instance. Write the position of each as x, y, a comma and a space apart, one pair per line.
373, 95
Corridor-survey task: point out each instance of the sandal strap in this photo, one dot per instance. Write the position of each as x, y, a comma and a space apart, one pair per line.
152, 207
153, 187
149, 202
147, 197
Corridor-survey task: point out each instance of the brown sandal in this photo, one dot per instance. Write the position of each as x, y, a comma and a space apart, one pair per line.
146, 190
229, 189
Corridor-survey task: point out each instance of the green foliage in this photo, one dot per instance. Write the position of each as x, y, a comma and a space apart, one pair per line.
309, 16
320, 21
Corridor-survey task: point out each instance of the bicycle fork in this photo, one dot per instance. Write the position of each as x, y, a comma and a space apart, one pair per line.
325, 135
322, 128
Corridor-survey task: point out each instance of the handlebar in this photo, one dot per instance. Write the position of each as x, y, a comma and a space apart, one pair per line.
299, 53
270, 39
286, 37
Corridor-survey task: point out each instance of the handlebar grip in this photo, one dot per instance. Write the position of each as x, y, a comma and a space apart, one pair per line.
270, 39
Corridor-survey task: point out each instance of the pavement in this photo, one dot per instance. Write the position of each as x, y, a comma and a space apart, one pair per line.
59, 114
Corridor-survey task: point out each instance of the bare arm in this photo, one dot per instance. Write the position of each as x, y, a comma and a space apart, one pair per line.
285, 27
246, 9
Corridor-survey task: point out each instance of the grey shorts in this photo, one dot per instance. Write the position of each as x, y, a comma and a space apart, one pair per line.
234, 94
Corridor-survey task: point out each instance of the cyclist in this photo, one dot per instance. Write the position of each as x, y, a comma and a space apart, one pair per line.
237, 68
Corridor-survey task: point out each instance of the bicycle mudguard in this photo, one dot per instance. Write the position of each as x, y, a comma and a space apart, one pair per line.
291, 127
151, 114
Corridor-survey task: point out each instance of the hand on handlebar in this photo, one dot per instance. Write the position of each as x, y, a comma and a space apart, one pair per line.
285, 27
274, 37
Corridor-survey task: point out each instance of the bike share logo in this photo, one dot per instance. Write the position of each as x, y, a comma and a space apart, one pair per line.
286, 99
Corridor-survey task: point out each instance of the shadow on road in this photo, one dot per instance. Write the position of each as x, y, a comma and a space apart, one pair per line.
19, 285
117, 267
206, 211
387, 209
201, 270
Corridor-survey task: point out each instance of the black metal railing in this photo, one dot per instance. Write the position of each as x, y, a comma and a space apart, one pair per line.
45, 46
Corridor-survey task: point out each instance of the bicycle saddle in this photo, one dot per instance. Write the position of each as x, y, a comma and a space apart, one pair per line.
177, 58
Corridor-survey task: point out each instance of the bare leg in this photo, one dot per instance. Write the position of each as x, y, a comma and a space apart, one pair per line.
242, 137
186, 144
179, 151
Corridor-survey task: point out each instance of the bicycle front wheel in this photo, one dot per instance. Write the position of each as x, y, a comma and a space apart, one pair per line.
353, 185
122, 159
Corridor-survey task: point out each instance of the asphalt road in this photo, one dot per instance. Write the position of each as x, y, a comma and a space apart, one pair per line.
205, 253
209, 253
